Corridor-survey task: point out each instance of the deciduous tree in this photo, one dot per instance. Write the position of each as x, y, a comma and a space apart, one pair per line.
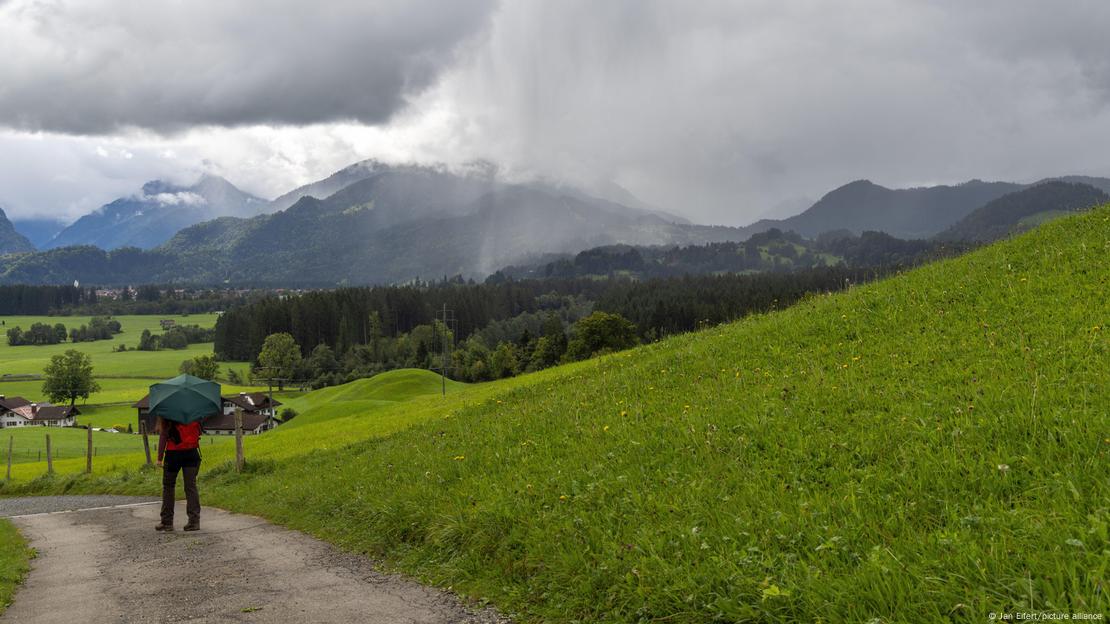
280, 356
69, 376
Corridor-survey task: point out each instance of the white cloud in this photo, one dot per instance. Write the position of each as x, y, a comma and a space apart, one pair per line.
183, 198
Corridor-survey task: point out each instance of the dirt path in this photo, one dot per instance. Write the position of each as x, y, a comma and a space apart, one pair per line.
108, 565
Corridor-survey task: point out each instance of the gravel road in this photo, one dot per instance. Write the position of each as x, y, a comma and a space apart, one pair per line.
108, 565
48, 504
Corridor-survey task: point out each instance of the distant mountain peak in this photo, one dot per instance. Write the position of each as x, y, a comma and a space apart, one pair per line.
150, 218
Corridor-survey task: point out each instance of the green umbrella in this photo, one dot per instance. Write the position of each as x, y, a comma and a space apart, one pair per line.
185, 399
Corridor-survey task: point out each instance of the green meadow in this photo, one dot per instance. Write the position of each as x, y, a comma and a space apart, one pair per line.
931, 447
124, 377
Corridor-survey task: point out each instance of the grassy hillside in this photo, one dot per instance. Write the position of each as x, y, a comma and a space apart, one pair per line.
364, 396
931, 447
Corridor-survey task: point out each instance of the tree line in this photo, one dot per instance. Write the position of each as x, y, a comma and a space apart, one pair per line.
504, 327
99, 328
41, 300
771, 251
348, 317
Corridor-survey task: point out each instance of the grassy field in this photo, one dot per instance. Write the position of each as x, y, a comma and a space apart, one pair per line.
32, 359
14, 562
29, 444
123, 377
931, 447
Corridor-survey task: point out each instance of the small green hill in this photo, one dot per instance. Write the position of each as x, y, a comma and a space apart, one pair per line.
932, 447
366, 395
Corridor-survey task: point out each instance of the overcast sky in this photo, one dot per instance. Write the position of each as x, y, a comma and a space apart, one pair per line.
718, 111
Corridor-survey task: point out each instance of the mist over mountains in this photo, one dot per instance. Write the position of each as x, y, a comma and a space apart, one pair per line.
373, 223
383, 224
162, 209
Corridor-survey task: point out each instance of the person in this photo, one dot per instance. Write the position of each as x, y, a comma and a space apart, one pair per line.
179, 451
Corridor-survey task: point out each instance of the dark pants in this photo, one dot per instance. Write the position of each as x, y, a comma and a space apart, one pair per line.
188, 464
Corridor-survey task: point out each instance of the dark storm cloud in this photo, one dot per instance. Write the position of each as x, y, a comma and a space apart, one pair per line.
717, 110
720, 110
97, 66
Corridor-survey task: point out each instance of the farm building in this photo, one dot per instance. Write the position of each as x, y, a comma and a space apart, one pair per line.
259, 414
17, 411
253, 422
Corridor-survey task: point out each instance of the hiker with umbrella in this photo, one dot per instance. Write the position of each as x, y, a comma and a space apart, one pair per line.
180, 404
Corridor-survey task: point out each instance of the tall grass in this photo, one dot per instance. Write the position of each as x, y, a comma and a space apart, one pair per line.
14, 562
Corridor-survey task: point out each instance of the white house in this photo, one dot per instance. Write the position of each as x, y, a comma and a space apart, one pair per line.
19, 412
251, 403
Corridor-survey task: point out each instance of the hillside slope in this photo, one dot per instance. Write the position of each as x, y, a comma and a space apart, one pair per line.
364, 396
932, 447
1023, 210
11, 241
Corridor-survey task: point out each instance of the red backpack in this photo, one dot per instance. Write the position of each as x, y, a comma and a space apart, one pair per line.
188, 437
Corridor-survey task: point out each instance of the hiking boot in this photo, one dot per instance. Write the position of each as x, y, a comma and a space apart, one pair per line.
166, 528
192, 526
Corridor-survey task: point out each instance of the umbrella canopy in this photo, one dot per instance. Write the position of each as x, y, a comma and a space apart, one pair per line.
185, 399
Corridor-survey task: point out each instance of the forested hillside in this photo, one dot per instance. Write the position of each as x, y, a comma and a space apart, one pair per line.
770, 251
1023, 210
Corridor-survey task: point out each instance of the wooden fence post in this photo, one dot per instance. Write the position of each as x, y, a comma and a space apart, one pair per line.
146, 441
11, 443
89, 452
49, 459
239, 461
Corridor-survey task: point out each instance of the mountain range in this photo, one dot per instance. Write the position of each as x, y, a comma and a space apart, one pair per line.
913, 213
392, 223
377, 223
160, 211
